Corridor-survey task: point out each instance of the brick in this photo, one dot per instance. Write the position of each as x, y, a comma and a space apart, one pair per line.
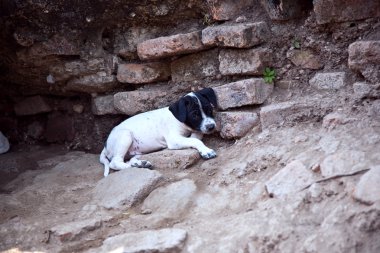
57, 45
246, 92
99, 82
195, 66
239, 36
227, 9
103, 105
328, 81
169, 46
327, 11
31, 106
143, 73
245, 62
293, 111
286, 9
366, 90
305, 59
364, 57
234, 125
133, 102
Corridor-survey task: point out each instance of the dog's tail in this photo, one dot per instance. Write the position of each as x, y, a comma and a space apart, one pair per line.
104, 160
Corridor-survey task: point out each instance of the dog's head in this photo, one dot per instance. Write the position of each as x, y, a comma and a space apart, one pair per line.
196, 110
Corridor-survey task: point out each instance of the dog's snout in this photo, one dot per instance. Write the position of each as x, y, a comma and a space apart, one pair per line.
210, 127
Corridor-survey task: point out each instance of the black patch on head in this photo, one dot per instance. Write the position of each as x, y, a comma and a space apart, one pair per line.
187, 111
208, 94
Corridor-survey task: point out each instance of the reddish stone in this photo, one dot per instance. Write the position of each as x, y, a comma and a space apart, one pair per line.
236, 124
364, 57
143, 73
227, 9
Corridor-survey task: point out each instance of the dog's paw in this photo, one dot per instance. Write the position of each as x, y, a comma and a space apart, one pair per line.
106, 172
142, 164
208, 154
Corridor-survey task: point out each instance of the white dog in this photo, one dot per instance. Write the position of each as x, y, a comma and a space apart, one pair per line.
178, 126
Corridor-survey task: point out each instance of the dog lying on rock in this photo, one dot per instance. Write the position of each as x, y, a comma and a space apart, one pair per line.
179, 126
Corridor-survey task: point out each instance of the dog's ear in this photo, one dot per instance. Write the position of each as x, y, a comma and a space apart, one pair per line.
209, 94
179, 109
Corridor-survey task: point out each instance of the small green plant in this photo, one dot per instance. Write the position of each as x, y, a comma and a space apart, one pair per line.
296, 44
269, 75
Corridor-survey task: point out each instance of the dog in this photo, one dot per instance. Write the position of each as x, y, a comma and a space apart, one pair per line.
178, 126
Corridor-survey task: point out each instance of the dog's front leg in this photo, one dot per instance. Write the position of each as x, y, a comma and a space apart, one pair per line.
180, 142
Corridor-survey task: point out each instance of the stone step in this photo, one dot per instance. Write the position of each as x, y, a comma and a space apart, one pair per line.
245, 92
143, 73
234, 125
238, 36
364, 57
169, 46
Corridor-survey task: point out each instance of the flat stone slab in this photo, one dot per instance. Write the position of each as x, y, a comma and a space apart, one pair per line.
304, 58
103, 105
168, 240
239, 36
364, 57
343, 162
236, 124
244, 62
246, 92
174, 160
125, 188
328, 81
169, 46
99, 82
292, 178
368, 188
143, 73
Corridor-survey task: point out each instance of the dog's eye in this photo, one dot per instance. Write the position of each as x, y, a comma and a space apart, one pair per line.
195, 116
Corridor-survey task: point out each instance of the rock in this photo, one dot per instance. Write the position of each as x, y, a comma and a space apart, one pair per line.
368, 188
32, 105
59, 128
236, 124
293, 111
133, 102
4, 144
244, 62
173, 160
327, 11
169, 202
125, 188
328, 81
240, 36
99, 82
285, 9
366, 90
364, 57
227, 9
305, 59
36, 130
246, 92
195, 66
374, 109
169, 46
143, 73
103, 105
292, 178
331, 120
73, 230
167, 240
78, 108
343, 162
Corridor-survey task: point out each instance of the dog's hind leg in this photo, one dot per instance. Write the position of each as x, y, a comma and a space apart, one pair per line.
135, 162
121, 141
104, 160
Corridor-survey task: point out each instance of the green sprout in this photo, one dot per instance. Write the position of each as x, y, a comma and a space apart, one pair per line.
296, 44
269, 75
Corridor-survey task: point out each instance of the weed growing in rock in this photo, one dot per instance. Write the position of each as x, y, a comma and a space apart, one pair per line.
269, 75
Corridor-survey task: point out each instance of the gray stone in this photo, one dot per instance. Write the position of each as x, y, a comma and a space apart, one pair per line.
4, 144
103, 105
364, 57
292, 178
236, 124
239, 36
343, 162
327, 11
332, 120
143, 73
125, 188
195, 66
285, 9
169, 202
293, 111
133, 102
246, 92
227, 9
99, 82
32, 105
328, 81
244, 62
368, 188
167, 240
304, 58
173, 160
169, 46
363, 90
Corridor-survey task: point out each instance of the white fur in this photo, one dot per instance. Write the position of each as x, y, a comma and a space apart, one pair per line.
145, 133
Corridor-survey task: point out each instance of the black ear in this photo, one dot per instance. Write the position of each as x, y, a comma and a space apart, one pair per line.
179, 109
209, 94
